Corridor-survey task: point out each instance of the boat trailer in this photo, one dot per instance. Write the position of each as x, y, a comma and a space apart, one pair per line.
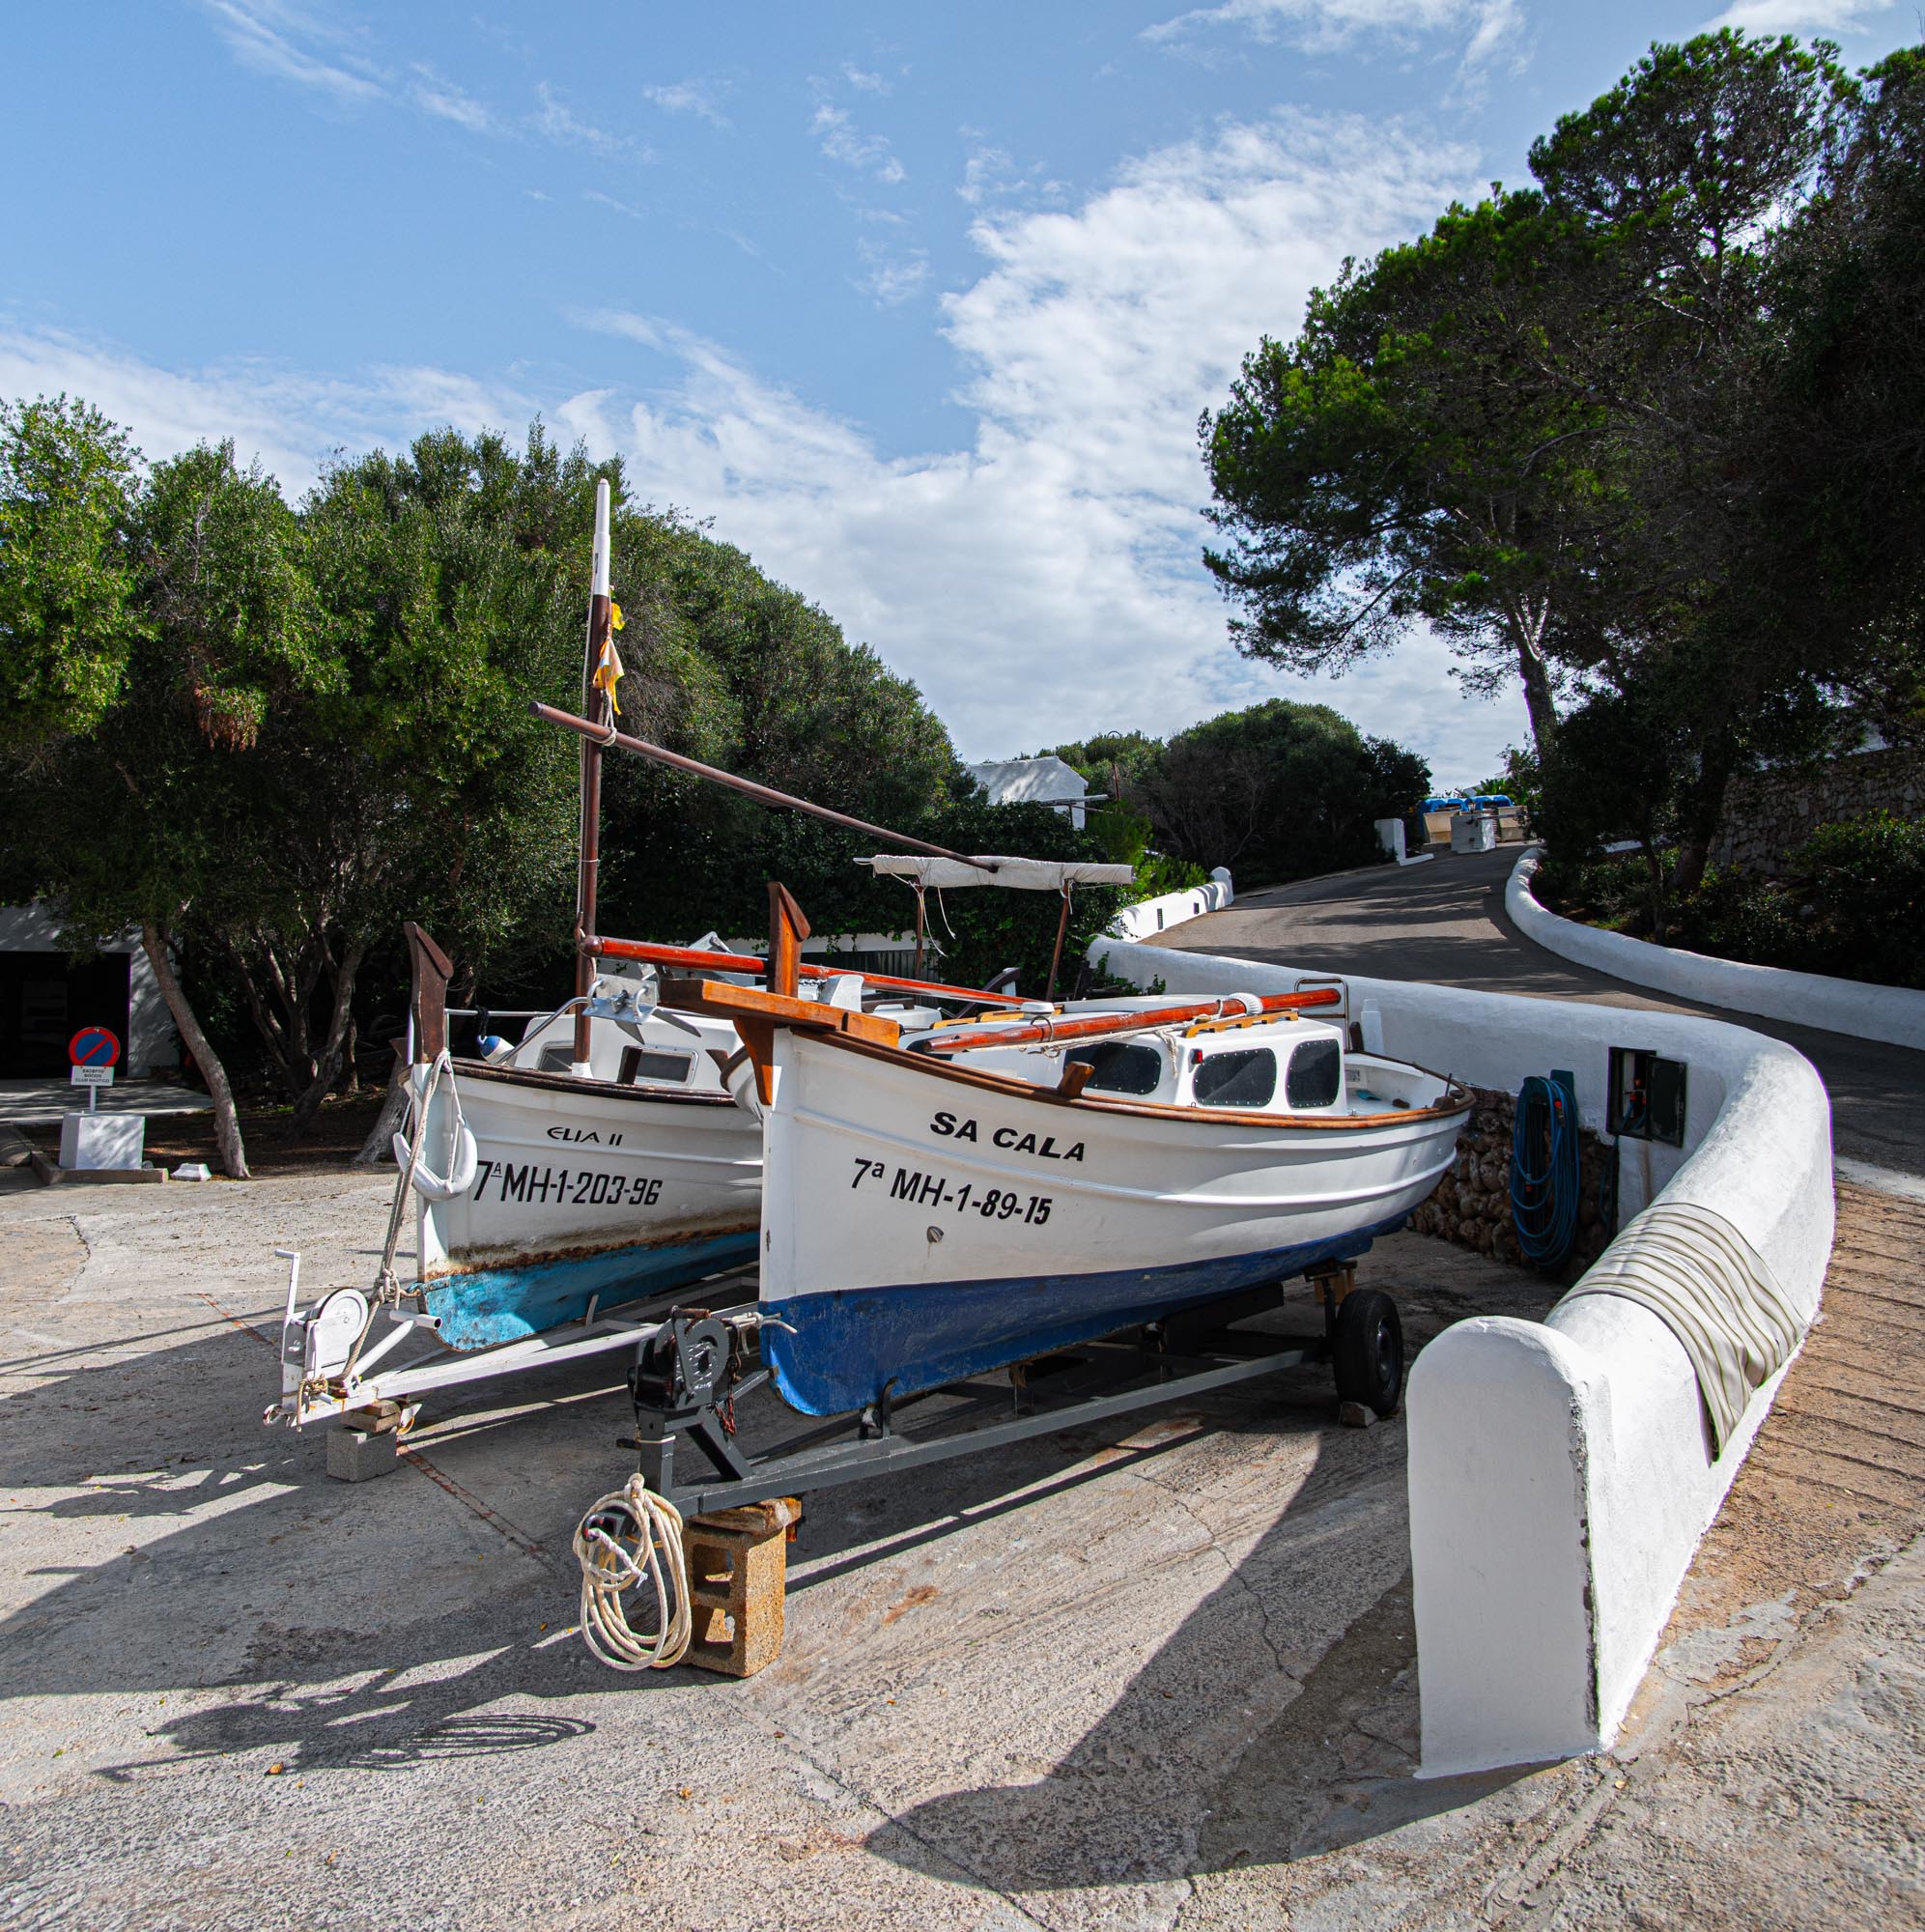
706, 1518
335, 1366
711, 1538
692, 1369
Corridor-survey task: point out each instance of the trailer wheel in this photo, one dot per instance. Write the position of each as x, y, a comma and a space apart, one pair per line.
1367, 1350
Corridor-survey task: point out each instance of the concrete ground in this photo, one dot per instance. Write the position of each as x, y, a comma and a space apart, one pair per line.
1444, 920
36, 1102
1142, 1676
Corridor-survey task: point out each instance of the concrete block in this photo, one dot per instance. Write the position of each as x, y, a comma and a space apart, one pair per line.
356, 1457
738, 1578
102, 1140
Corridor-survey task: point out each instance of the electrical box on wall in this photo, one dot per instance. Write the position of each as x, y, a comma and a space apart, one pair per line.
1647, 1096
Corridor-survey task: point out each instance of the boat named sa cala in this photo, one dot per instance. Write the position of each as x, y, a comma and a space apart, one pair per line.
942, 1200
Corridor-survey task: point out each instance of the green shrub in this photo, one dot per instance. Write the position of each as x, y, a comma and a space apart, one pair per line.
1158, 872
1608, 890
1864, 882
1852, 907
1734, 915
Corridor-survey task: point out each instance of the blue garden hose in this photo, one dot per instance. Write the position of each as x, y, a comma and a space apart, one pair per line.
1543, 1171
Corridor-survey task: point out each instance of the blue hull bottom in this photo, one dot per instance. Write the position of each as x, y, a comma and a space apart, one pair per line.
849, 1342
507, 1304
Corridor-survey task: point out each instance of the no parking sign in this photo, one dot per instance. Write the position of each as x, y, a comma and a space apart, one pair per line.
94, 1052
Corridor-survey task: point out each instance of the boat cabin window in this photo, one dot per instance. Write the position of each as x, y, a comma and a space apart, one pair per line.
1316, 1073
640, 1063
1120, 1067
1246, 1079
555, 1060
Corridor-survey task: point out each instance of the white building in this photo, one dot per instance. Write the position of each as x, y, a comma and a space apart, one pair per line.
47, 997
1037, 782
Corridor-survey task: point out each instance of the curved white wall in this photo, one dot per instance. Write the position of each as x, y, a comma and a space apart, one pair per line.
1895, 1014
1561, 1473
1148, 916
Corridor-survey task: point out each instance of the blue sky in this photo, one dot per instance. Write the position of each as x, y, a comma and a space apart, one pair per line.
918, 304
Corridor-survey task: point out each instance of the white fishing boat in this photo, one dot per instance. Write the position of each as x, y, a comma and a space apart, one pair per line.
949, 1199
550, 1186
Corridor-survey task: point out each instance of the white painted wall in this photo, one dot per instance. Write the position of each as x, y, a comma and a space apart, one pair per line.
1561, 1473
1894, 1014
1149, 917
153, 1045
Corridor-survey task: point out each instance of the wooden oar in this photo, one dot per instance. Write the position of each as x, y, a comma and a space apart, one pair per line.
1099, 1026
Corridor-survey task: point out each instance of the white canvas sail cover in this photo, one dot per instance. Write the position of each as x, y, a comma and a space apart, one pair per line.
1030, 875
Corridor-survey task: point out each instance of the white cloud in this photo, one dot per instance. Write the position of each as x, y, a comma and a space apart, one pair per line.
864, 83
1799, 17
891, 276
602, 200
293, 422
1321, 26
446, 101
279, 40
870, 154
1045, 579
267, 36
990, 174
555, 121
688, 96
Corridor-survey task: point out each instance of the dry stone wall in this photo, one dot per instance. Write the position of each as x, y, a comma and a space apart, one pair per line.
1471, 1205
1768, 816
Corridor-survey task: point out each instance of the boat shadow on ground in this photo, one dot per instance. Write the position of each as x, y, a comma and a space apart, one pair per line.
1165, 1788
203, 1554
406, 1624
356, 1626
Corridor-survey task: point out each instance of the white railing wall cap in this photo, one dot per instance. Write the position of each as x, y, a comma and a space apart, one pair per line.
1168, 909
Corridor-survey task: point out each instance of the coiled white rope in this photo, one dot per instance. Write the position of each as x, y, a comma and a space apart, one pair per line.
615, 1560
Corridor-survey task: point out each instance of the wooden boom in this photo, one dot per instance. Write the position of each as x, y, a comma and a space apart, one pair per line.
694, 959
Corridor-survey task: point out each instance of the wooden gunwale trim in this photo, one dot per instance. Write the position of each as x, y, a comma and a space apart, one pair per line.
1020, 1090
569, 1083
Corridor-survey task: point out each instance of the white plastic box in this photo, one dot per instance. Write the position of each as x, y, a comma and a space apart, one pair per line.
1473, 832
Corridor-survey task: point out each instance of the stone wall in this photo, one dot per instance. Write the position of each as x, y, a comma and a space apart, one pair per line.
1768, 816
1471, 1205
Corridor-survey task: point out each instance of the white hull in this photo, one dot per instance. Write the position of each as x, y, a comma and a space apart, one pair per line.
583, 1192
921, 1226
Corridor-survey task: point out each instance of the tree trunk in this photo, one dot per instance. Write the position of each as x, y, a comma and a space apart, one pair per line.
1704, 808
1654, 879
394, 1110
226, 1121
1538, 700
263, 1023
329, 1059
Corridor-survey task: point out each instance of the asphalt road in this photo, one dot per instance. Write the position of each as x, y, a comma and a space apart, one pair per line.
1445, 922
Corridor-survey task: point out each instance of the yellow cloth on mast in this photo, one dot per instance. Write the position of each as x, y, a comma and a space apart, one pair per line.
609, 673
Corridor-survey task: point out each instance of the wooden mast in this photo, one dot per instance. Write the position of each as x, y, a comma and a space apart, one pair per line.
595, 704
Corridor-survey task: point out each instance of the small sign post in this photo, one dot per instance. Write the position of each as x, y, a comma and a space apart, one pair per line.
94, 1052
